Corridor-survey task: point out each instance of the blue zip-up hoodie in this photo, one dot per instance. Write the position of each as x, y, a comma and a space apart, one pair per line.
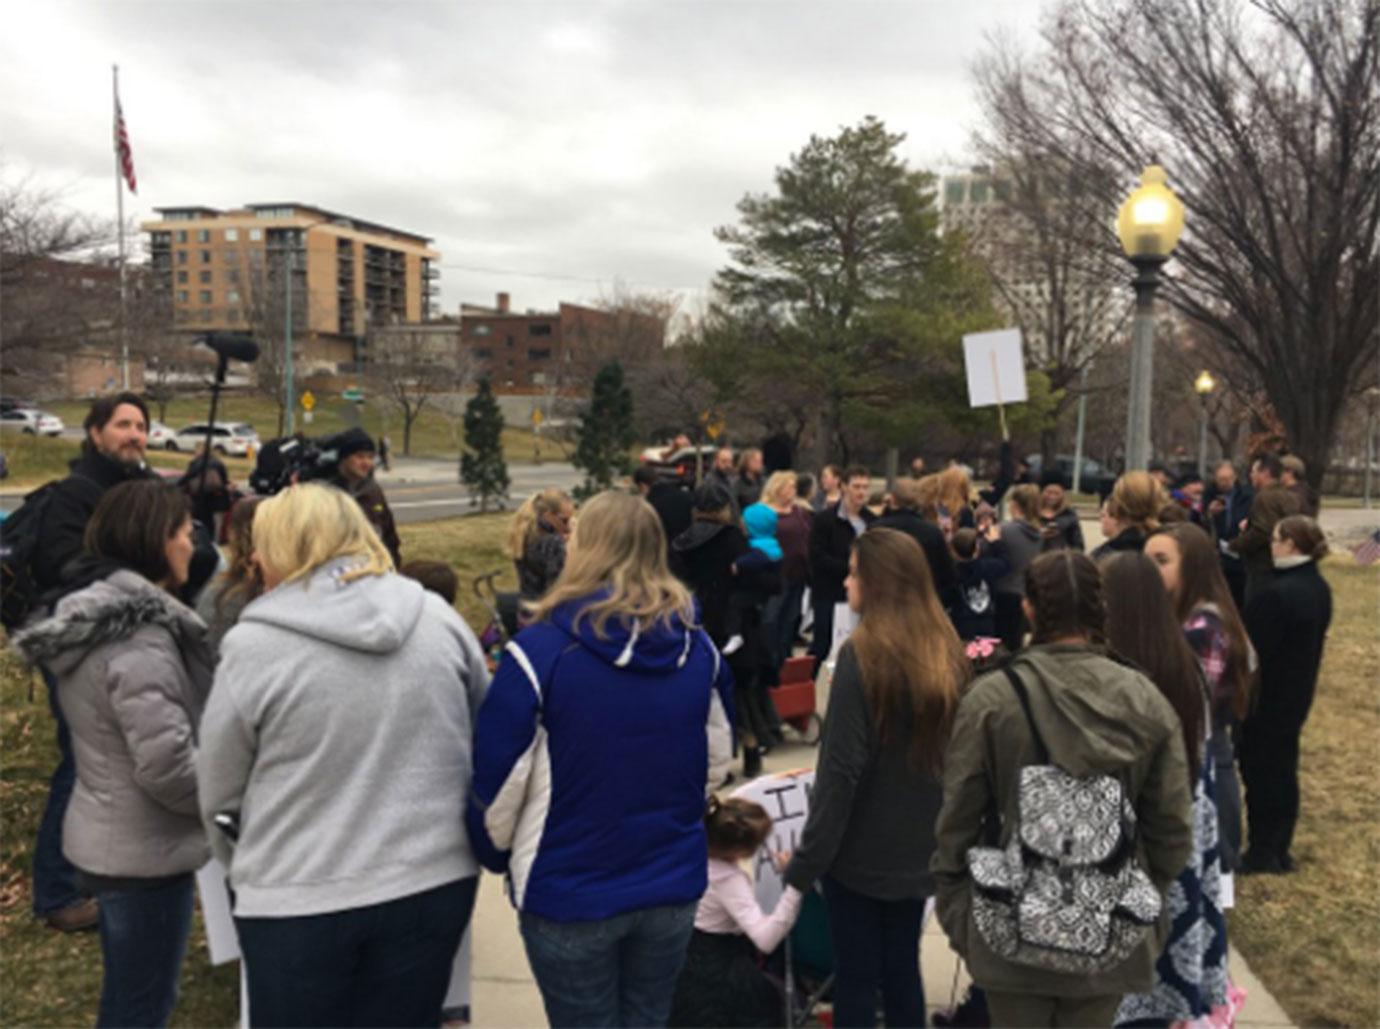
592, 760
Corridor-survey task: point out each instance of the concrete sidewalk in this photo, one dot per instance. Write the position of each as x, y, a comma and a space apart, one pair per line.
506, 995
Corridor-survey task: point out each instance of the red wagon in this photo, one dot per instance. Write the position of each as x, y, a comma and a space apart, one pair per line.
795, 698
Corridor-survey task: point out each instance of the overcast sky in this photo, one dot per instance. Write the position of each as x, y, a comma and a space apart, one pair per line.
583, 143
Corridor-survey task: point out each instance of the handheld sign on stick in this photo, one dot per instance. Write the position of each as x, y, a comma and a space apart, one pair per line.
996, 371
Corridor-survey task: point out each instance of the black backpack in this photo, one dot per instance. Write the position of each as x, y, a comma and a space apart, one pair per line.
19, 536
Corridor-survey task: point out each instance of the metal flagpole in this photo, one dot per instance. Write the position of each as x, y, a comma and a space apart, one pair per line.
120, 220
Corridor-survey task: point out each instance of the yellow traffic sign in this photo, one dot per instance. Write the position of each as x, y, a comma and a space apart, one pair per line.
308, 401
537, 416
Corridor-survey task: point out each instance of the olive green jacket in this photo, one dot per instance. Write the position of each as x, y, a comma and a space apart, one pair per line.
1097, 716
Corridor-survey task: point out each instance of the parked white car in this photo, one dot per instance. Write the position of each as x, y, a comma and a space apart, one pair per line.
161, 437
31, 422
233, 439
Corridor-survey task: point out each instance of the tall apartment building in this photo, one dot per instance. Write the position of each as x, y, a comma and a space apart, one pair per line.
230, 270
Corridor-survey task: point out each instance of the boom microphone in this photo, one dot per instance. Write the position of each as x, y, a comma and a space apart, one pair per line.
232, 346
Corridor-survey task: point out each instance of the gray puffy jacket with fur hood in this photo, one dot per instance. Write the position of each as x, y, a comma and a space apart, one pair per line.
133, 675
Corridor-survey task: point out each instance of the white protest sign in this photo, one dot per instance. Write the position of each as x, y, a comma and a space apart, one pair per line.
221, 940
786, 798
845, 621
995, 366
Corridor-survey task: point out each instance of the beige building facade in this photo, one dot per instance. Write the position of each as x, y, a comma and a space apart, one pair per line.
230, 271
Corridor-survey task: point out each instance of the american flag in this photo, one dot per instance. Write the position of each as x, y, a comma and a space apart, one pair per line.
122, 150
1369, 551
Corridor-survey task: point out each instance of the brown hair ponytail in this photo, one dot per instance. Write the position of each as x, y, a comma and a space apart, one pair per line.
735, 826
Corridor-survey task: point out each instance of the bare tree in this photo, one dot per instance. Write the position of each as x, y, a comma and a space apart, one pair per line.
628, 327
263, 313
1268, 120
411, 365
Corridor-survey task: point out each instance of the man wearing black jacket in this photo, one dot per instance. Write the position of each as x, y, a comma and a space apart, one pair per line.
906, 517
1226, 502
671, 502
112, 453
832, 533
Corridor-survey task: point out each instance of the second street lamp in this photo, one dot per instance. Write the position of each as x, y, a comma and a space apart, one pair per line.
1149, 225
1204, 384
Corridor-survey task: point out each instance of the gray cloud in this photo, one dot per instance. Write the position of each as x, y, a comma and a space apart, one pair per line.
601, 141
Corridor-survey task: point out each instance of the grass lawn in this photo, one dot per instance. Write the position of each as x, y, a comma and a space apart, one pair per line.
432, 434
1313, 938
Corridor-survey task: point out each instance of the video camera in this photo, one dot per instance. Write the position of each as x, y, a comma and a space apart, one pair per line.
290, 459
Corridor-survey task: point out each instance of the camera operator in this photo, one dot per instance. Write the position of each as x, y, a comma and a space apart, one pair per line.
354, 473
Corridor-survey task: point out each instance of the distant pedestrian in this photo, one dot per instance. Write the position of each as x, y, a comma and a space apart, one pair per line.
793, 520
917, 467
603, 731
1023, 541
905, 516
979, 564
749, 478
1294, 477
386, 453
1288, 622
1227, 503
354, 474
1273, 502
1058, 520
669, 499
830, 487
1130, 514
537, 540
955, 491
831, 541
869, 835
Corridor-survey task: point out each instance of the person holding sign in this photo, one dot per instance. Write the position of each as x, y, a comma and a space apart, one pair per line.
870, 832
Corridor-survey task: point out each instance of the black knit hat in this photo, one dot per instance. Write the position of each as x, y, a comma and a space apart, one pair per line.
712, 496
352, 441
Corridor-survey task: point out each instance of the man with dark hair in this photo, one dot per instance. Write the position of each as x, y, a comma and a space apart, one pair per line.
1273, 501
832, 533
354, 473
672, 504
112, 452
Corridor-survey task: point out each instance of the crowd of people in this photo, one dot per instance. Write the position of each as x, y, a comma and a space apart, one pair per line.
320, 718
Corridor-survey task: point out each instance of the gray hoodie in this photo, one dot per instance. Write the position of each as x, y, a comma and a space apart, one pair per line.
339, 732
1023, 544
133, 670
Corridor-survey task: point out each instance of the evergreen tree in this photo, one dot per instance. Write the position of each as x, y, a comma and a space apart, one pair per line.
482, 467
606, 431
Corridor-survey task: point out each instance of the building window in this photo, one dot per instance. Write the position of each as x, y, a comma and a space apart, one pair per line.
538, 353
978, 191
231, 256
233, 276
232, 296
538, 378
483, 353
204, 296
182, 257
255, 235
205, 257
510, 341
182, 235
205, 278
953, 192
181, 296
181, 277
232, 235
481, 330
203, 235
539, 330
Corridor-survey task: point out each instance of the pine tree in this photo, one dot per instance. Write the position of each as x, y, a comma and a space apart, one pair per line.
606, 431
482, 467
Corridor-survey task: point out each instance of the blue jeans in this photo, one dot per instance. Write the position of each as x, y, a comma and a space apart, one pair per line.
143, 939
876, 943
386, 964
55, 880
780, 618
618, 971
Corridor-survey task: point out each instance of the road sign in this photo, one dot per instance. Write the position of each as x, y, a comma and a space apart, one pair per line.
537, 416
308, 401
354, 394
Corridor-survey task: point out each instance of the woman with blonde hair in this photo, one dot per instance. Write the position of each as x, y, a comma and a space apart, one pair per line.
870, 832
955, 496
335, 758
537, 540
226, 595
782, 615
603, 731
1131, 513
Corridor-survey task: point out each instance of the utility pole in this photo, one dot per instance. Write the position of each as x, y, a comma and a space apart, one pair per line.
289, 389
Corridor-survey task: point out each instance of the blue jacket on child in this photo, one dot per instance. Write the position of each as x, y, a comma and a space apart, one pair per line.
592, 759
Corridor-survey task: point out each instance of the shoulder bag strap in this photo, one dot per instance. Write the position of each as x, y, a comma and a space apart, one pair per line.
1041, 751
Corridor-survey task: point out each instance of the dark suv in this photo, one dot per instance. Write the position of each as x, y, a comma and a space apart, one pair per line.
1095, 478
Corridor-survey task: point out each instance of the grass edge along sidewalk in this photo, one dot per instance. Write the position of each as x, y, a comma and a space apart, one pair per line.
1312, 938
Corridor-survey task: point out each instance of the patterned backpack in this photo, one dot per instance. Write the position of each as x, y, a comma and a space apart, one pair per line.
1067, 893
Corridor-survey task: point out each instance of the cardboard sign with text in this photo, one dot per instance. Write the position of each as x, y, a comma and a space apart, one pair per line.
996, 367
786, 798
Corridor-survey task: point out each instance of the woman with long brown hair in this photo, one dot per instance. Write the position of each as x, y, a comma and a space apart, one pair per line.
870, 831
1191, 970
1192, 575
223, 599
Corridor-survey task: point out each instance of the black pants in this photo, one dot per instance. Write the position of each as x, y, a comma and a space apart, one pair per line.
383, 965
822, 640
876, 944
1270, 772
751, 698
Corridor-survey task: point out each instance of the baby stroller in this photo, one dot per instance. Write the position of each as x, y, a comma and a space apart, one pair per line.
808, 963
503, 615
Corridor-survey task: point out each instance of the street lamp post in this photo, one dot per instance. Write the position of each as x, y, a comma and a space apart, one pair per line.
1149, 225
1204, 384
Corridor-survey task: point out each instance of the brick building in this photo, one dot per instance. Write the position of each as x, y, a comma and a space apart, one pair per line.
229, 270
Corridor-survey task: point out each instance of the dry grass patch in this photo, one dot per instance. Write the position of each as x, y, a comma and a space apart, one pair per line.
1314, 937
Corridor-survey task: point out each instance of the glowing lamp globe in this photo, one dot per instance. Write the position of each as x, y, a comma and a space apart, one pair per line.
1152, 218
